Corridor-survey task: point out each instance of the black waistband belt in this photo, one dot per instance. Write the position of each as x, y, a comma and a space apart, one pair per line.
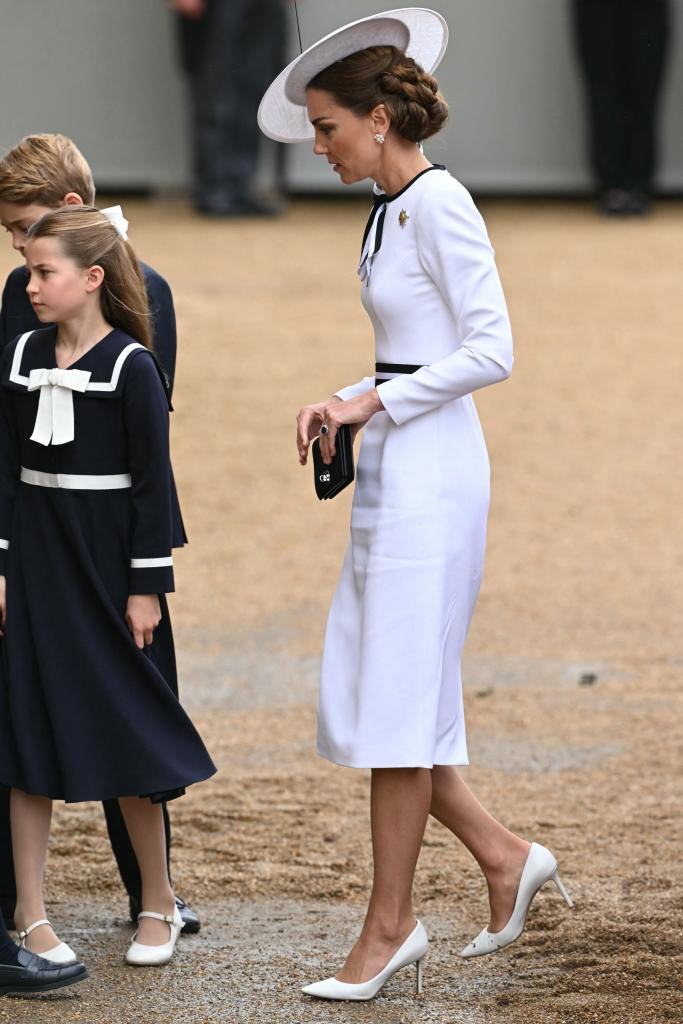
393, 368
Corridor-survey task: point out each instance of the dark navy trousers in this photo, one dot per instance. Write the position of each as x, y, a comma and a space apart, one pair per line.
230, 56
622, 47
8, 950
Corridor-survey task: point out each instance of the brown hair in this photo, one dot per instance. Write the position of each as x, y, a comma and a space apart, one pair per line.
89, 238
43, 169
384, 74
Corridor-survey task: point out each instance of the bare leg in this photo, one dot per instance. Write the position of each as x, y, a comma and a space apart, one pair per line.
500, 853
399, 806
31, 817
145, 825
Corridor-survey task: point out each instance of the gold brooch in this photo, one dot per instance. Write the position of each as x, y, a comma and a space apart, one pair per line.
403, 218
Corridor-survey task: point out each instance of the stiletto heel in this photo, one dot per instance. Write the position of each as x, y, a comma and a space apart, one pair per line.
540, 867
412, 951
419, 977
563, 892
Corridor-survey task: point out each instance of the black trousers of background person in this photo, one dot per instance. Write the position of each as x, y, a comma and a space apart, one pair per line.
622, 46
231, 55
120, 841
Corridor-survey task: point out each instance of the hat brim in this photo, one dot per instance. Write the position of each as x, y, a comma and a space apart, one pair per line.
422, 34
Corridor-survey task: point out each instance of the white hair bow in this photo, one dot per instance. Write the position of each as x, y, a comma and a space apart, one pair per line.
115, 215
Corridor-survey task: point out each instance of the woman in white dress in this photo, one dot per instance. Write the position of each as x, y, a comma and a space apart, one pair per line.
391, 696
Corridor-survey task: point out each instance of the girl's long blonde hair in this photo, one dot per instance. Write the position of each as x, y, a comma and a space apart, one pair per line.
90, 239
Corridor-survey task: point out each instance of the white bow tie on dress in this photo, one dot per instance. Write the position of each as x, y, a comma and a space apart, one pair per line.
55, 419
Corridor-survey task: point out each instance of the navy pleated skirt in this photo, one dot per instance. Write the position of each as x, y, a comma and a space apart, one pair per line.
85, 714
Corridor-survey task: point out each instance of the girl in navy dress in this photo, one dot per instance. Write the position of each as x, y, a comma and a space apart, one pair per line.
88, 689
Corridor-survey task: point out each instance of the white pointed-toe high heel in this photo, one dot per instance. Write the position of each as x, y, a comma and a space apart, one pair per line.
140, 955
540, 867
60, 954
412, 951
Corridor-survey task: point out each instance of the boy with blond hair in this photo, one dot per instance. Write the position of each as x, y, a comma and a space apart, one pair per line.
40, 174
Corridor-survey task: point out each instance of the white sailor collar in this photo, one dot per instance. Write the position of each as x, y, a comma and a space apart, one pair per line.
99, 373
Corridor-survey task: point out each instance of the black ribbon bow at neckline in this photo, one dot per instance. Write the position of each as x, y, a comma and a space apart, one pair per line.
379, 201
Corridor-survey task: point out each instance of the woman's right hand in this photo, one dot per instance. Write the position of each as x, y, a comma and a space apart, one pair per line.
308, 424
2, 605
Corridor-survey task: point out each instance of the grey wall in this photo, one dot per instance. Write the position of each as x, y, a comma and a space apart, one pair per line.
104, 72
517, 105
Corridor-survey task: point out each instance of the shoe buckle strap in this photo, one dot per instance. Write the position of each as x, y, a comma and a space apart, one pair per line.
169, 919
24, 934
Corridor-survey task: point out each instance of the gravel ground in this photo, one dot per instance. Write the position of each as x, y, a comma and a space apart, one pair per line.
574, 663
249, 965
275, 855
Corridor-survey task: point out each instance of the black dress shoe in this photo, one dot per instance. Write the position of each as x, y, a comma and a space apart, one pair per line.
625, 202
191, 922
34, 974
614, 202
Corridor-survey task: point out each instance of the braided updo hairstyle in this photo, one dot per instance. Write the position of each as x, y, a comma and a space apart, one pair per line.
384, 74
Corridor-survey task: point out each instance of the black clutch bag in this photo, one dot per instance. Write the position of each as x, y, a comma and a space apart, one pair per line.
330, 480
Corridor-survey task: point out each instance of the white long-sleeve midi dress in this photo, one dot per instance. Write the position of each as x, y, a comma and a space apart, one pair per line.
390, 692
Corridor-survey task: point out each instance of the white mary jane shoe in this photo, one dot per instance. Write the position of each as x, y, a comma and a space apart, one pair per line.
540, 867
60, 954
140, 955
412, 951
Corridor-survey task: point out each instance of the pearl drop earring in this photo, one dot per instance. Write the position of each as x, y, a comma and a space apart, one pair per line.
379, 138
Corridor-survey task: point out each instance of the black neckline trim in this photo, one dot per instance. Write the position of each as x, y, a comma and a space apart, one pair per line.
389, 199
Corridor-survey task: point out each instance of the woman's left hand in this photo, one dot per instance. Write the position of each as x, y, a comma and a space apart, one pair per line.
143, 615
355, 412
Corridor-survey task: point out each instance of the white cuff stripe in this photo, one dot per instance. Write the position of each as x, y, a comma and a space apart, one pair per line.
4, 544
151, 563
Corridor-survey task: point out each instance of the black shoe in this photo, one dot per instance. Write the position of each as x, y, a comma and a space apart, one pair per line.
191, 922
34, 974
623, 202
638, 203
614, 202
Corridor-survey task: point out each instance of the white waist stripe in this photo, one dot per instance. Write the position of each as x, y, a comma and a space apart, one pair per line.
151, 563
4, 544
76, 481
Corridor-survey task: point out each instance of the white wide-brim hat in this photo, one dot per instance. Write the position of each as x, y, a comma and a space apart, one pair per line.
422, 34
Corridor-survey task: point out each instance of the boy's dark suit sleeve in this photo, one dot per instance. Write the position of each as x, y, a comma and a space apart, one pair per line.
9, 467
17, 315
164, 330
4, 339
164, 325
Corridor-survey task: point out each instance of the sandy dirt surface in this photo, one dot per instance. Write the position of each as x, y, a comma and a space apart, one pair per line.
574, 663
